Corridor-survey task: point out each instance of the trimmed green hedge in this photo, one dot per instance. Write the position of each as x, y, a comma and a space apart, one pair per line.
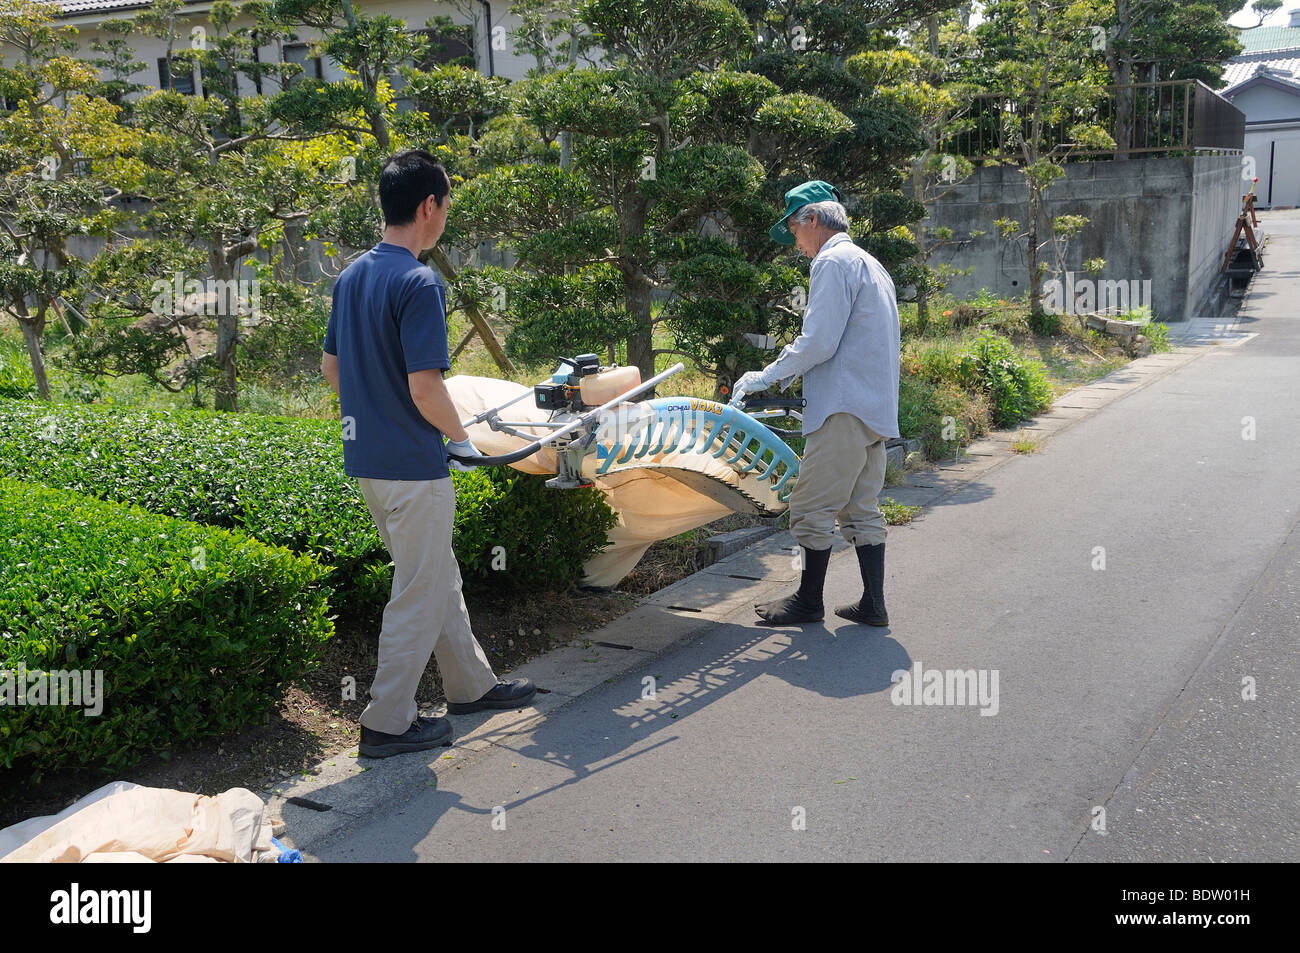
281, 480
196, 630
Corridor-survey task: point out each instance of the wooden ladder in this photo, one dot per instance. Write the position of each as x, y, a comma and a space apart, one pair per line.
1245, 230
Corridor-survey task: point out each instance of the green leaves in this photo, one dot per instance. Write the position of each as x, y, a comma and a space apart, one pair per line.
719, 106
602, 103
669, 38
519, 198
800, 120
281, 481
112, 589
1017, 387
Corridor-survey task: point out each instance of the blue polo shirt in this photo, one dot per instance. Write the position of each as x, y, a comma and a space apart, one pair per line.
389, 319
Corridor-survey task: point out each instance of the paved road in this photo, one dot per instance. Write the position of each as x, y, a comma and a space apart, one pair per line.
1118, 688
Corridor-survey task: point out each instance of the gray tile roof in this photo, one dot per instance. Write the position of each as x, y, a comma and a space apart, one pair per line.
1242, 68
76, 7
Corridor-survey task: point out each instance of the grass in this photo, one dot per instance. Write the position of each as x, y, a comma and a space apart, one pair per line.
931, 390
1025, 445
898, 514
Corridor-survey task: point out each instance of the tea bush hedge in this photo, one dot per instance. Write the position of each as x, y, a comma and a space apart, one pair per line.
281, 480
196, 630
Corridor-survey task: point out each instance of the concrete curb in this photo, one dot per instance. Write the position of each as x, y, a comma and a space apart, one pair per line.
345, 789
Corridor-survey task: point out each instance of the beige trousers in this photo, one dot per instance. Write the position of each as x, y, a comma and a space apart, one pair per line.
840, 476
426, 613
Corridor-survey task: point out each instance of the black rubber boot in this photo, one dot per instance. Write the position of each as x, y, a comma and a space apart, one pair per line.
870, 609
806, 604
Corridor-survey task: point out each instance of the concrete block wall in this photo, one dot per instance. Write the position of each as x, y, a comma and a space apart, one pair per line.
1152, 219
1216, 202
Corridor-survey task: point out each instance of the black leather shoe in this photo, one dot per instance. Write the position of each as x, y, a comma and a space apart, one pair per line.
424, 733
513, 694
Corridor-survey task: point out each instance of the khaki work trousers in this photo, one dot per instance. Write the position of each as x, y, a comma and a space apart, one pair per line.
427, 612
840, 476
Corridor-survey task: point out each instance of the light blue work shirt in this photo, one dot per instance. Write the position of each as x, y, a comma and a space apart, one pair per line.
848, 349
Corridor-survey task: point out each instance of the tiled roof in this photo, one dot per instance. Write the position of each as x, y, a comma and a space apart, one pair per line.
76, 7
1265, 39
1241, 69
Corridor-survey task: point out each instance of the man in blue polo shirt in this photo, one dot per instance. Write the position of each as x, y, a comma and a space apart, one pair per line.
385, 353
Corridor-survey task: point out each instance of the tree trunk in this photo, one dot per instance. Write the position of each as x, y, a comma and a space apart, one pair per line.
1035, 289
226, 394
922, 249
475, 316
640, 343
566, 137
227, 390
1120, 61
33, 332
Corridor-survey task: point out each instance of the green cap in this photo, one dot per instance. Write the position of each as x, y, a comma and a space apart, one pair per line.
800, 195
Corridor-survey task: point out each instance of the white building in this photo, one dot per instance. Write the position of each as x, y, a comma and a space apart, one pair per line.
1263, 81
492, 58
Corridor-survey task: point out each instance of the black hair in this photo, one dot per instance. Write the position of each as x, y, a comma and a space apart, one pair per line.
406, 180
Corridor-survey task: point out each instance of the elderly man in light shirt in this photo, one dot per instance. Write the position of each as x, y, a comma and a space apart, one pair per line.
847, 354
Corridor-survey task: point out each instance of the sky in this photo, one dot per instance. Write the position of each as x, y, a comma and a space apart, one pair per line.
1244, 17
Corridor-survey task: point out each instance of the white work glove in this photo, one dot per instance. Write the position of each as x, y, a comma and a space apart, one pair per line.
749, 383
464, 448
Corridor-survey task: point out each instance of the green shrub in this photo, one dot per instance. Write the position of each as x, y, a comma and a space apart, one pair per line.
546, 535
941, 415
1017, 387
1045, 323
1158, 335
196, 630
281, 480
16, 379
936, 361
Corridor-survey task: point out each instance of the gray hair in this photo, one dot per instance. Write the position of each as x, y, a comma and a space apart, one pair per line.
830, 214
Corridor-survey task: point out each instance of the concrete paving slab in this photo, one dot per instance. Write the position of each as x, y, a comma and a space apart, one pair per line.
572, 670
913, 496
1081, 402
728, 544
945, 479
1061, 412
705, 595
768, 562
652, 628
972, 465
